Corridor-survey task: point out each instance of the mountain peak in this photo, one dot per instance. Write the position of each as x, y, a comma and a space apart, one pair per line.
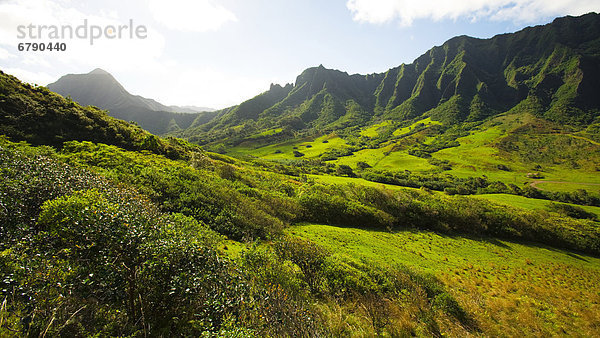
99, 71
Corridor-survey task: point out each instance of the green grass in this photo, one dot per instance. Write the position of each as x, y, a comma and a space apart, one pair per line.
529, 203
383, 158
407, 129
510, 289
285, 150
432, 252
570, 186
372, 130
317, 147
353, 180
268, 132
402, 161
476, 156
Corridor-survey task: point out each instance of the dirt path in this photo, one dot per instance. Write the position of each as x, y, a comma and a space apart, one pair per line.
535, 183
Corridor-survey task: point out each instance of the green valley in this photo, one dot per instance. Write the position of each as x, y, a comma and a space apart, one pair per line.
458, 195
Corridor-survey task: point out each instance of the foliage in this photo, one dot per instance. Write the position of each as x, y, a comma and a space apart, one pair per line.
215, 194
38, 116
571, 211
94, 258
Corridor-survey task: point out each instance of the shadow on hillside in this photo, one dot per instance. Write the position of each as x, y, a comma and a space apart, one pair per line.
577, 257
493, 241
498, 242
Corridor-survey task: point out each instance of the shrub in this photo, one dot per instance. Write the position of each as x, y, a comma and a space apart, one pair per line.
571, 211
362, 165
125, 254
344, 170
503, 167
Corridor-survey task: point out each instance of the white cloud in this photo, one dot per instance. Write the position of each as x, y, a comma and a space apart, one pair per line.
114, 54
141, 65
522, 11
4, 54
40, 78
191, 15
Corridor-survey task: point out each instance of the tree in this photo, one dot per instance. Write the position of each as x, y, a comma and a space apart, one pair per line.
344, 170
362, 165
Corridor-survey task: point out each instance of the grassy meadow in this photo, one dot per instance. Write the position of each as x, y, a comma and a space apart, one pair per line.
512, 289
479, 152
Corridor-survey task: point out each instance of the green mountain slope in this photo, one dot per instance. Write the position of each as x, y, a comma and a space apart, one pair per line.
552, 71
137, 235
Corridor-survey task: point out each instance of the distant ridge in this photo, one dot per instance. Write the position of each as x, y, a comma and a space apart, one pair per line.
99, 88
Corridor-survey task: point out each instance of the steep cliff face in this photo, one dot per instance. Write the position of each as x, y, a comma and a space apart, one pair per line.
552, 71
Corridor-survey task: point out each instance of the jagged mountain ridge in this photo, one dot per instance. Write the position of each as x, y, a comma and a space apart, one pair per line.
551, 70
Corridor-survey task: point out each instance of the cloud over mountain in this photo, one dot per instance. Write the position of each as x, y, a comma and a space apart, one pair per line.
406, 11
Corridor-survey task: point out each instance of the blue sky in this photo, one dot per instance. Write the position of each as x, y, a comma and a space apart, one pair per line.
219, 53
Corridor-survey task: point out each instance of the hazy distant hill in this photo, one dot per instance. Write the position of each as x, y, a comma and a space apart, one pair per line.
41, 117
99, 88
190, 109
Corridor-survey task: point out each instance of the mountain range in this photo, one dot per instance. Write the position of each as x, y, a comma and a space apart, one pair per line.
99, 88
453, 196
551, 70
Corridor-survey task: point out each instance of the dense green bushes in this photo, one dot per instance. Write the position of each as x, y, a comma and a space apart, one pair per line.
83, 255
76, 261
370, 207
125, 254
246, 203
214, 193
30, 177
571, 211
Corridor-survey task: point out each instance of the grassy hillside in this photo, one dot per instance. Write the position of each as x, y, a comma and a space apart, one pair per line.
38, 116
61, 209
513, 149
531, 203
513, 289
